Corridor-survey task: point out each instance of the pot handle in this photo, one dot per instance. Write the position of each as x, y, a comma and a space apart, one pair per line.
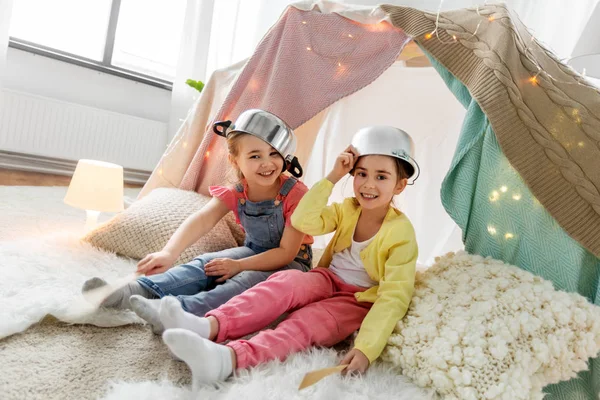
417, 172
221, 124
294, 167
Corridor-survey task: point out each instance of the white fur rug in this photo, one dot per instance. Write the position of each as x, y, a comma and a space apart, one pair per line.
43, 265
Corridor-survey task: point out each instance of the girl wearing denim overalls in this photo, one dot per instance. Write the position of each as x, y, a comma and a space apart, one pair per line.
262, 201
364, 280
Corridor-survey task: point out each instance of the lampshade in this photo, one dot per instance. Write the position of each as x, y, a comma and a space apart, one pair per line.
97, 186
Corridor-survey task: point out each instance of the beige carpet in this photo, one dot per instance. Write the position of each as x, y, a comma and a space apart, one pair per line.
54, 360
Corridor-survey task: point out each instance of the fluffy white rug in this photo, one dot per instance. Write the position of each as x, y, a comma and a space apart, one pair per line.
44, 264
276, 381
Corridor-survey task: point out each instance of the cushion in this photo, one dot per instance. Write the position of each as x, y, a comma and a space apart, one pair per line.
147, 225
481, 329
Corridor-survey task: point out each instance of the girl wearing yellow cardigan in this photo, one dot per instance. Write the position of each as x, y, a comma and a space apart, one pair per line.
364, 280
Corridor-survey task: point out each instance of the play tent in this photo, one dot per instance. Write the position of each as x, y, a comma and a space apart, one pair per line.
508, 137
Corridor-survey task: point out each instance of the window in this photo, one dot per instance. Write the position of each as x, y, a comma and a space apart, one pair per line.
138, 39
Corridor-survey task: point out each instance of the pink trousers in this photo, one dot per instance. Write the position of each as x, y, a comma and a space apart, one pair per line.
323, 310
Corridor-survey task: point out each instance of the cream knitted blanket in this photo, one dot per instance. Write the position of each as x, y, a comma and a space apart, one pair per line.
546, 116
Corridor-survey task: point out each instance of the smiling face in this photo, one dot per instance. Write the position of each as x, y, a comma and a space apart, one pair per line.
259, 163
377, 181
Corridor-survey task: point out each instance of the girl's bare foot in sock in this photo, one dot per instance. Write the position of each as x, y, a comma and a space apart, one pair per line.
209, 362
172, 315
147, 309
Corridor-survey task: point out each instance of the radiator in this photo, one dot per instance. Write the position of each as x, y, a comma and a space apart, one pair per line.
50, 128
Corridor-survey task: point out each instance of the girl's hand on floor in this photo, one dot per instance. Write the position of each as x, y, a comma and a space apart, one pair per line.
226, 268
156, 263
343, 164
357, 362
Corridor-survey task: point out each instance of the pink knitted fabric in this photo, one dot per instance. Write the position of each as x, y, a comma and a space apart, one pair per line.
305, 63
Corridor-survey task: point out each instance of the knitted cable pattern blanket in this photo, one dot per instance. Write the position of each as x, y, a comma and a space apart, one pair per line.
548, 127
481, 329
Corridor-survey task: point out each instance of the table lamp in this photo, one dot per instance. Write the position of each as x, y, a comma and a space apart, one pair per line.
96, 187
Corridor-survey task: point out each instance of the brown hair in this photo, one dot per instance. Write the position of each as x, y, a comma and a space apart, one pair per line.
402, 168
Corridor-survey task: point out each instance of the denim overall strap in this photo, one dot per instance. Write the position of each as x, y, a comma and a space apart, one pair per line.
263, 221
287, 187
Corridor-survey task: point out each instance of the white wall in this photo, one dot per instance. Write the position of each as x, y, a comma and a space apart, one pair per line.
43, 76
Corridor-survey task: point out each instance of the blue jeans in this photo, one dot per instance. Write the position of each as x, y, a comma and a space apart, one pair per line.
199, 293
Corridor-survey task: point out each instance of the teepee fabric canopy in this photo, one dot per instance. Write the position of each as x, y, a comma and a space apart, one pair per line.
545, 116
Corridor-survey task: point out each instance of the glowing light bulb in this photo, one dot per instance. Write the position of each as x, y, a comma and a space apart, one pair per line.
491, 18
253, 84
494, 196
516, 197
350, 36
454, 37
581, 144
503, 189
491, 230
303, 22
533, 80
509, 235
428, 35
308, 48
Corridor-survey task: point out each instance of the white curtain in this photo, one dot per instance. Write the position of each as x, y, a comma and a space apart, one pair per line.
193, 55
586, 54
557, 23
5, 13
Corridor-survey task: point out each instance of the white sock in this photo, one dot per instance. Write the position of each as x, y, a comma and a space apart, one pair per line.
147, 309
210, 362
172, 315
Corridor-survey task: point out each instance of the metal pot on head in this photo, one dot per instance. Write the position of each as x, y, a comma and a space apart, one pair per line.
271, 129
388, 141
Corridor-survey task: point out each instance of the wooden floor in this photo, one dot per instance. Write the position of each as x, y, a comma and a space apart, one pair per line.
10, 177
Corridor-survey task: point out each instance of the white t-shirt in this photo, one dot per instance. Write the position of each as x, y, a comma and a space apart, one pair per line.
349, 267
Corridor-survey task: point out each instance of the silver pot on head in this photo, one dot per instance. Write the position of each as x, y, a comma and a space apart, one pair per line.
271, 129
388, 141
